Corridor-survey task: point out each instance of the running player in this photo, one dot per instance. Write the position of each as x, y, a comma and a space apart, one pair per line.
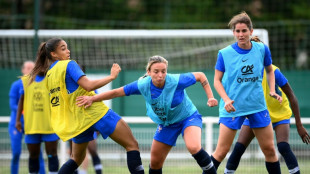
169, 106
66, 81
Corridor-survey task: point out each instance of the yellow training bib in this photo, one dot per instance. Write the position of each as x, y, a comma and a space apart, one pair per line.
69, 120
277, 111
36, 107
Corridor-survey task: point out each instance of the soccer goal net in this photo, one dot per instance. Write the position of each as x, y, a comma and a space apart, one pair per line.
98, 49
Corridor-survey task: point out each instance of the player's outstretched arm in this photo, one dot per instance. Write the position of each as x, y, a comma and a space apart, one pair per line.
295, 108
201, 77
87, 101
90, 85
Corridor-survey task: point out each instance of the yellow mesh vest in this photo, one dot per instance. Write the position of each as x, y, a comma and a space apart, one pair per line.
69, 120
36, 107
277, 111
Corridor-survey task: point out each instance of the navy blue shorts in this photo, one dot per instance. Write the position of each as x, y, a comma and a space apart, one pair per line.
38, 138
256, 120
169, 134
106, 126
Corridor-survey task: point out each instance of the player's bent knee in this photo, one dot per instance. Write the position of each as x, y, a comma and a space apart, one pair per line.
193, 149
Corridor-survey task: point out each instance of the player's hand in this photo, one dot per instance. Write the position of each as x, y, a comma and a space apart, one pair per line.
85, 101
18, 126
229, 106
115, 70
276, 96
303, 134
212, 102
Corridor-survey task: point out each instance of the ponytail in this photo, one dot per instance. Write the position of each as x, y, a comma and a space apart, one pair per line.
44, 58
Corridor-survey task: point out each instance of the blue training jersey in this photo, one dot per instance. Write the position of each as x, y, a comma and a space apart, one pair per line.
14, 99
186, 80
242, 77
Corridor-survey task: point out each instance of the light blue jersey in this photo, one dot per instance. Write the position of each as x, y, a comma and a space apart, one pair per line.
159, 109
242, 80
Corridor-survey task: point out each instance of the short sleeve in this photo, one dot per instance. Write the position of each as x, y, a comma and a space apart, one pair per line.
220, 63
280, 78
267, 58
186, 80
132, 88
74, 71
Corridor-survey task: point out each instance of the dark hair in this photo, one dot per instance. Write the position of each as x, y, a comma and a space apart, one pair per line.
256, 39
44, 58
243, 18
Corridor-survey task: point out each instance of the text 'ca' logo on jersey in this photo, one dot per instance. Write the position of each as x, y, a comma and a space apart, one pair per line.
248, 69
55, 101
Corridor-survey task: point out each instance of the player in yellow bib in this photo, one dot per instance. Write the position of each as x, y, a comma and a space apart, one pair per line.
280, 115
34, 101
65, 81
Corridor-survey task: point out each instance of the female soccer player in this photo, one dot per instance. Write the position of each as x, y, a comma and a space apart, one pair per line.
280, 117
34, 101
65, 81
237, 79
15, 135
169, 106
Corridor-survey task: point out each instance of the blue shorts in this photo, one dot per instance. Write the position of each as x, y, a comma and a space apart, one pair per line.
106, 126
169, 134
256, 120
38, 138
288, 121
247, 123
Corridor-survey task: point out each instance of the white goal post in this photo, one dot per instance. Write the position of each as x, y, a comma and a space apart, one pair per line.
190, 49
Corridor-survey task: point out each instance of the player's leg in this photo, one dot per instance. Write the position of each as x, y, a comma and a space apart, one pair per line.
192, 138
77, 157
245, 137
282, 135
84, 166
34, 153
123, 136
92, 149
260, 123
225, 140
16, 148
265, 139
78, 152
51, 151
42, 162
159, 152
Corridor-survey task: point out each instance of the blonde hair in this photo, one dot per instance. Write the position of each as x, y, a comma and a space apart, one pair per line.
243, 18
152, 60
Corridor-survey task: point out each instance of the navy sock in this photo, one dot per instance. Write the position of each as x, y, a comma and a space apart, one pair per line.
215, 162
53, 163
234, 158
273, 167
155, 171
69, 167
204, 161
289, 157
34, 165
134, 162
97, 164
